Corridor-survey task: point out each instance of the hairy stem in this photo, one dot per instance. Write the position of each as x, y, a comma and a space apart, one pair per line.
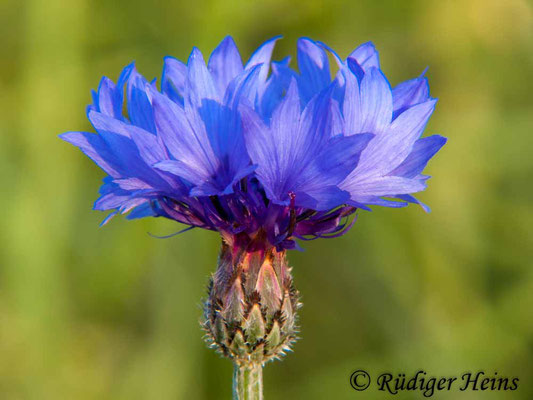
247, 381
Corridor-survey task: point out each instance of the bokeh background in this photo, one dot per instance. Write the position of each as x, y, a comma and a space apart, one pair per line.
112, 313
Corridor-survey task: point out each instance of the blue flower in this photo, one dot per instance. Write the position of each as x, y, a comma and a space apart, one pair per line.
259, 152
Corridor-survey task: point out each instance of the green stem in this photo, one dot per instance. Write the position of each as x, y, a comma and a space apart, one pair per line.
247, 381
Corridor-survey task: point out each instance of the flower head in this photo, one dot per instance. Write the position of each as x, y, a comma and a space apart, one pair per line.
259, 152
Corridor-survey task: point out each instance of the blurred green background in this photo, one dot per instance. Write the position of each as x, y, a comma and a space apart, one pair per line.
112, 313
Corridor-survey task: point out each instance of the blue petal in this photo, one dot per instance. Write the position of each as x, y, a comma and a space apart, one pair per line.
224, 130
122, 79
106, 123
386, 151
322, 198
263, 56
335, 161
421, 153
376, 102
139, 107
111, 201
243, 87
96, 149
337, 58
199, 80
108, 218
384, 186
215, 188
355, 68
412, 199
150, 147
352, 109
131, 204
147, 144
175, 123
340, 156
174, 79
132, 184
274, 149
314, 69
276, 86
203, 141
118, 137
186, 141
364, 201
366, 56
108, 186
110, 97
106, 97
264, 148
144, 210
187, 172
409, 93
320, 120
225, 64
